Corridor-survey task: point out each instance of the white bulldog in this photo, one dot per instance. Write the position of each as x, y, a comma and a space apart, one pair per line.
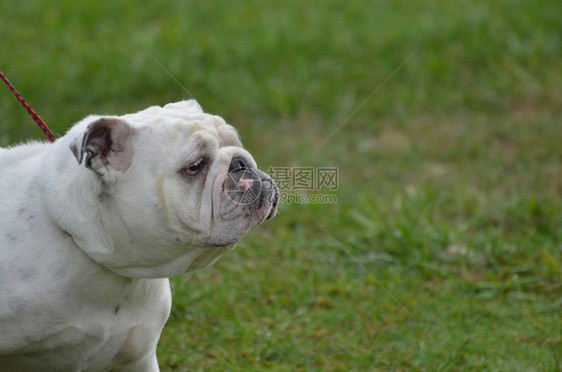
86, 246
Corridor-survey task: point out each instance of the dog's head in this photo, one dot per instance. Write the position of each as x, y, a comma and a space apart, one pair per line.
175, 189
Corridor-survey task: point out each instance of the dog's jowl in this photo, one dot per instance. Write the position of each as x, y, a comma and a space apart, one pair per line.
93, 225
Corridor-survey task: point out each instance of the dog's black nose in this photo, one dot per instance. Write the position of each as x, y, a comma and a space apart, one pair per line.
239, 163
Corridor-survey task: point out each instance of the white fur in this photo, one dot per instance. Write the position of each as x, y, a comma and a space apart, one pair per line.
85, 253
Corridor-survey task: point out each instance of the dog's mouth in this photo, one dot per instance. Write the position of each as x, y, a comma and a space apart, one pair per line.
271, 196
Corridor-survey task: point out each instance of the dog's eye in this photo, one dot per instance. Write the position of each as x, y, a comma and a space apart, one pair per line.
194, 168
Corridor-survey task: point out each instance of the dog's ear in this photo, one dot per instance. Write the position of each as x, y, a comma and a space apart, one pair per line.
104, 144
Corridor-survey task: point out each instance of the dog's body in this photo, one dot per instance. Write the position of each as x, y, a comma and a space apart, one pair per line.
86, 250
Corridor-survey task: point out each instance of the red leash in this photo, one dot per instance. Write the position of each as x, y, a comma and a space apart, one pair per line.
50, 135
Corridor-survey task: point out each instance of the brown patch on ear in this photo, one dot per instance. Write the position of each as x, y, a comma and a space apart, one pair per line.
105, 144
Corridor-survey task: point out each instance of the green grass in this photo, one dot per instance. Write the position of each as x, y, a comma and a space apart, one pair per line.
444, 249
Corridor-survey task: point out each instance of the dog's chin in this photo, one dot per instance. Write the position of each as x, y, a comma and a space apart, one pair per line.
226, 241
221, 244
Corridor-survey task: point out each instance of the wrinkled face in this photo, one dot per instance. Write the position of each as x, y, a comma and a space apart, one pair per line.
177, 189
185, 183
204, 185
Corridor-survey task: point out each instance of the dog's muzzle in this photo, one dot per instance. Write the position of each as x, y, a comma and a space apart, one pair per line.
246, 185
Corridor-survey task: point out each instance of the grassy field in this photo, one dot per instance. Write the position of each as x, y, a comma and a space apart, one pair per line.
443, 251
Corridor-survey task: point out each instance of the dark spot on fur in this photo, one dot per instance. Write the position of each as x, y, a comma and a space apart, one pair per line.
2, 275
16, 304
59, 269
116, 310
29, 274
